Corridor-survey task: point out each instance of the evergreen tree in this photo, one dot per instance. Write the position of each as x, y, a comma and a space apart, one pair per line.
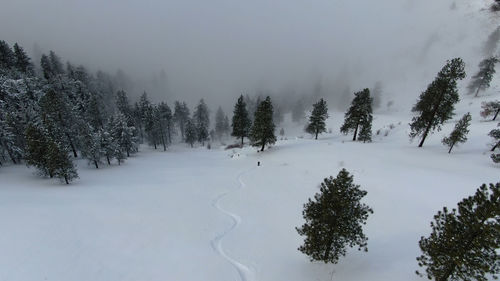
91, 145
495, 134
464, 243
55, 63
219, 123
123, 105
191, 132
298, 111
8, 142
202, 120
490, 108
7, 58
225, 126
37, 150
459, 134
262, 132
481, 81
241, 121
123, 134
22, 61
334, 219
436, 104
181, 116
46, 67
359, 116
317, 118
60, 163
491, 45
165, 123
108, 144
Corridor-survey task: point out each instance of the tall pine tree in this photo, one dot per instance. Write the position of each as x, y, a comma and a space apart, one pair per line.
262, 132
436, 104
317, 118
201, 118
481, 81
241, 121
359, 116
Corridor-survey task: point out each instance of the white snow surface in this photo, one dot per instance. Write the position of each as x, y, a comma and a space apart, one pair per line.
198, 214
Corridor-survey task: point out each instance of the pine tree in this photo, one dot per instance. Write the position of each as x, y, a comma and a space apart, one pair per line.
495, 134
60, 163
202, 121
22, 61
108, 144
91, 145
241, 121
298, 111
219, 123
317, 118
124, 136
359, 116
37, 150
7, 58
491, 45
46, 67
191, 132
8, 142
437, 103
56, 64
225, 126
334, 219
181, 116
262, 132
464, 243
123, 105
165, 124
481, 81
459, 134
490, 108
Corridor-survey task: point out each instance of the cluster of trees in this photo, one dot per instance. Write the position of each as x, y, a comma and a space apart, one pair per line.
463, 244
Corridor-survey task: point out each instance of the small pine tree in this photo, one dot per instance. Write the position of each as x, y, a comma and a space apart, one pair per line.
181, 116
241, 121
459, 134
22, 62
437, 103
201, 118
91, 146
317, 118
334, 220
481, 81
191, 132
464, 243
262, 132
495, 134
37, 150
491, 108
359, 116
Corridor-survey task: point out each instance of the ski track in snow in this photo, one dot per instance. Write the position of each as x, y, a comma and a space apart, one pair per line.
245, 272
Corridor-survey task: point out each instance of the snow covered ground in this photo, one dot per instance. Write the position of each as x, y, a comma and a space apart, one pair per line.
198, 214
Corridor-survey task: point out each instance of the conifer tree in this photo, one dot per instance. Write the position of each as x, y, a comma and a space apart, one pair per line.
317, 118
219, 123
459, 134
181, 116
7, 58
56, 64
334, 219
359, 116
8, 142
108, 145
123, 134
490, 47
37, 150
60, 163
22, 61
436, 104
262, 132
91, 145
495, 134
491, 108
165, 120
202, 121
464, 242
123, 105
481, 81
46, 67
241, 121
225, 126
298, 111
191, 132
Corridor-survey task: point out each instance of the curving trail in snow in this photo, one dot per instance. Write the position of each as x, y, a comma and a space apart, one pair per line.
245, 272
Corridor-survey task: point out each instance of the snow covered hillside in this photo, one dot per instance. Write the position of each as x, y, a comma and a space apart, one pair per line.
198, 214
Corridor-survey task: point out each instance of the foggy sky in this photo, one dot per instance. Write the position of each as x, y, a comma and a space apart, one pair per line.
218, 49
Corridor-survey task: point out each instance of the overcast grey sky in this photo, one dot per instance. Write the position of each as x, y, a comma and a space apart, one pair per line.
220, 48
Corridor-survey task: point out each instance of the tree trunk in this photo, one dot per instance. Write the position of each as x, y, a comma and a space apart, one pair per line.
427, 129
477, 92
66, 179
72, 145
496, 114
96, 166
11, 156
163, 142
316, 134
128, 153
242, 141
263, 145
355, 132
109, 162
495, 146
451, 147
327, 250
